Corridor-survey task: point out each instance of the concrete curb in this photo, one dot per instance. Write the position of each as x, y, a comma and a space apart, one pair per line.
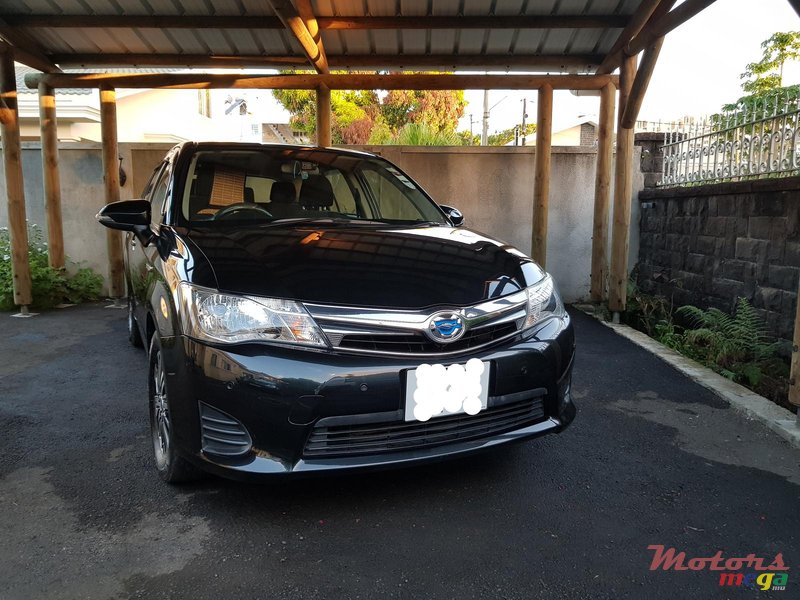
777, 418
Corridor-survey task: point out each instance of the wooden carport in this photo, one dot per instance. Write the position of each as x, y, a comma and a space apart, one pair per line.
543, 46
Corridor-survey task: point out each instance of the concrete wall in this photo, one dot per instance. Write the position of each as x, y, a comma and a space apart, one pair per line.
708, 245
492, 186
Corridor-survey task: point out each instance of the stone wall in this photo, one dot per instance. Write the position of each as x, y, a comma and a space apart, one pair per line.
709, 245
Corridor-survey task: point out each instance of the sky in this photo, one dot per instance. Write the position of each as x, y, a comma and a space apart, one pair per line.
697, 71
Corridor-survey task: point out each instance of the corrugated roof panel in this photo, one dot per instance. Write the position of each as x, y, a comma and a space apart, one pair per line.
381, 8
585, 40
556, 41
446, 8
131, 41
257, 7
102, 7
499, 41
508, 8
443, 41
572, 7
541, 7
385, 41
216, 41
470, 41
331, 42
188, 41
51, 39
348, 7
528, 41
107, 40
158, 40
357, 42
413, 8
322, 8
414, 41
76, 40
274, 43
477, 8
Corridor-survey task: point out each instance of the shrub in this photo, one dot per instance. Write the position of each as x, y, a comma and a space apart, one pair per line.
49, 286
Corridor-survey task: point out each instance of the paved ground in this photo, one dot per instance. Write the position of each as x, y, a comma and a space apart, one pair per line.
651, 459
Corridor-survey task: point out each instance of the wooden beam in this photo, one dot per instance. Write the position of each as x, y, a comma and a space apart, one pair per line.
794, 374
310, 21
541, 181
634, 26
15, 189
640, 83
602, 193
348, 81
661, 27
323, 116
336, 23
108, 129
50, 176
549, 62
26, 50
623, 188
288, 15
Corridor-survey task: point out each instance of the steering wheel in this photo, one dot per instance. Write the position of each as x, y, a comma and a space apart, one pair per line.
233, 208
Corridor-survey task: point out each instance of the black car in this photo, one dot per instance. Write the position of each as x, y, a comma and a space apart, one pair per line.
310, 309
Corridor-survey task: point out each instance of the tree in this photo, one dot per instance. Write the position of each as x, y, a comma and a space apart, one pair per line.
767, 74
362, 117
501, 138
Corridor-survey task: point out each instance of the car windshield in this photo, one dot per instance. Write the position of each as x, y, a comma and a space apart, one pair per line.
278, 185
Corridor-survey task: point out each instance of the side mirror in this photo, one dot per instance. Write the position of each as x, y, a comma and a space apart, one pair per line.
452, 213
126, 215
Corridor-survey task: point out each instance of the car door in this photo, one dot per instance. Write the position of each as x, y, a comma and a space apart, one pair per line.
139, 257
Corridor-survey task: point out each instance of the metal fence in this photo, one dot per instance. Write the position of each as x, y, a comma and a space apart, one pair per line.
755, 140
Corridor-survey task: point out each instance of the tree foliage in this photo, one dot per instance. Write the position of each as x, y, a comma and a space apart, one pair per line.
501, 138
766, 75
365, 117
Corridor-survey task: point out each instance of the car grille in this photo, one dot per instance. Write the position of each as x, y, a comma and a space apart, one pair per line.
394, 436
417, 343
222, 434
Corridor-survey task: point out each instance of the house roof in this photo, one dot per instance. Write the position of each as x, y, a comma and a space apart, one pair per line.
542, 35
21, 70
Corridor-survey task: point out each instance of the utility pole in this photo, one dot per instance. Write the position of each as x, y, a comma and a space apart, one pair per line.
524, 116
485, 131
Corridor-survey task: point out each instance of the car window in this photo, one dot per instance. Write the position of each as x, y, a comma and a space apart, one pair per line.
159, 194
258, 185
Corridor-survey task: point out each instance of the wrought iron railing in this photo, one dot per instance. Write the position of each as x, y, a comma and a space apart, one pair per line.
755, 140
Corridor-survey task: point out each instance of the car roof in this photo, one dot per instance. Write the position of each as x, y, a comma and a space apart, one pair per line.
259, 146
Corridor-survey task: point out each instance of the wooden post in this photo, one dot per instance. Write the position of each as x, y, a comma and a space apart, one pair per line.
602, 193
323, 116
794, 377
623, 188
541, 181
50, 176
15, 189
108, 126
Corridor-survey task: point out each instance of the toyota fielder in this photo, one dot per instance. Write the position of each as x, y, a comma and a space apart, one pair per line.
310, 309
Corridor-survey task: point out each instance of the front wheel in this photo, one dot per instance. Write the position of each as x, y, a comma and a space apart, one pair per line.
171, 466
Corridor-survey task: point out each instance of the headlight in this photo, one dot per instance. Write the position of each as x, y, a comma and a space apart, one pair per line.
213, 316
543, 302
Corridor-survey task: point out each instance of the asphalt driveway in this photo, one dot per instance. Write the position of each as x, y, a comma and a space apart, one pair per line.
652, 458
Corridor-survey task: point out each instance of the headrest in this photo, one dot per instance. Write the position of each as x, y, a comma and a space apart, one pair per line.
282, 192
249, 195
316, 192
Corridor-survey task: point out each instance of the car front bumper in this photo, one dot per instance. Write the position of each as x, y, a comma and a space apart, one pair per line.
307, 411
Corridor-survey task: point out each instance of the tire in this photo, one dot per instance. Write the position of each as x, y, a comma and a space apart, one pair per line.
171, 467
134, 335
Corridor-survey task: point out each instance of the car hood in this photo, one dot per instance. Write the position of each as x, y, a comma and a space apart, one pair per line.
360, 265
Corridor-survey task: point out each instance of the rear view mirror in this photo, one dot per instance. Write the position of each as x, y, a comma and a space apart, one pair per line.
126, 215
453, 214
